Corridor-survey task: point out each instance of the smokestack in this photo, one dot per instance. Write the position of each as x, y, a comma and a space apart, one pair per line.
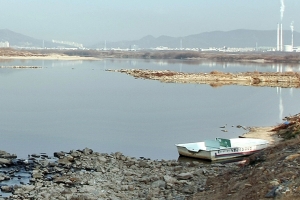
278, 38
292, 29
281, 39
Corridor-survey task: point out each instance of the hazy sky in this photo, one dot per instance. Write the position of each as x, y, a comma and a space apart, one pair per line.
92, 21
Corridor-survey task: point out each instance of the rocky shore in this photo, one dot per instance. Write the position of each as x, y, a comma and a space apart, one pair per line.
88, 175
216, 78
84, 174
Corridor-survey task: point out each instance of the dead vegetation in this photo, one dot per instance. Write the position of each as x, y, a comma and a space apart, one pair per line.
289, 129
272, 173
217, 78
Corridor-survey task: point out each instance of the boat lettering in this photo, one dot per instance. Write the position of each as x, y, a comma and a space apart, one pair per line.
229, 150
245, 148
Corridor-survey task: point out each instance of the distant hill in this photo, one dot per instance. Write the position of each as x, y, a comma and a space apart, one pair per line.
234, 38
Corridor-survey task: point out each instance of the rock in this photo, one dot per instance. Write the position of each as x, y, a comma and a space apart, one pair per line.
24, 189
158, 184
272, 193
90, 175
6, 188
143, 164
44, 163
35, 155
64, 161
75, 154
274, 182
184, 176
4, 177
102, 159
5, 161
188, 189
59, 154
292, 157
4, 154
87, 151
36, 174
169, 179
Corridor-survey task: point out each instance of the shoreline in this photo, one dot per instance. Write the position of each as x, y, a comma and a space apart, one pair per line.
48, 57
263, 133
217, 79
93, 175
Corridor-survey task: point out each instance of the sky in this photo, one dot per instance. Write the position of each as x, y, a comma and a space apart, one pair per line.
94, 21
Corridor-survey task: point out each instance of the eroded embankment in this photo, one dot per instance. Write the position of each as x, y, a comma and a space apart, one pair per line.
216, 78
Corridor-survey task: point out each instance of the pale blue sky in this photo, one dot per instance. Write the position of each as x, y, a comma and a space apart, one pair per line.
92, 21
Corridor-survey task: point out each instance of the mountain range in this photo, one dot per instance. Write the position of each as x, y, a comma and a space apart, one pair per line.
236, 38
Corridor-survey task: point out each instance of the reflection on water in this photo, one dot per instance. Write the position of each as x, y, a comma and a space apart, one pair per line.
67, 63
72, 105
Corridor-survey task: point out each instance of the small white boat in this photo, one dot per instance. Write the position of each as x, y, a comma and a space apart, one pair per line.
222, 148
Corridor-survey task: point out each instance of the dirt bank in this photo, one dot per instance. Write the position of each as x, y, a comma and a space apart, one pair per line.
265, 133
216, 78
272, 173
12, 54
261, 58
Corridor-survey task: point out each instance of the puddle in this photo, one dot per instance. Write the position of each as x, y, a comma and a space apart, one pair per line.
20, 171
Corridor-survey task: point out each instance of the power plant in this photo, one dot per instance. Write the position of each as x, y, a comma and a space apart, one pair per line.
280, 46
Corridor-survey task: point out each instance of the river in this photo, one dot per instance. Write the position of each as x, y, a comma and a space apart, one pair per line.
67, 105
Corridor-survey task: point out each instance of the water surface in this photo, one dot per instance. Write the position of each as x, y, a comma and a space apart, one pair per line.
76, 104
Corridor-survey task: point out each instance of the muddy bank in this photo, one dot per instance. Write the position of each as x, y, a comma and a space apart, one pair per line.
216, 78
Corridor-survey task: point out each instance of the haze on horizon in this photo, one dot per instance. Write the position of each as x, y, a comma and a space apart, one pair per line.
94, 21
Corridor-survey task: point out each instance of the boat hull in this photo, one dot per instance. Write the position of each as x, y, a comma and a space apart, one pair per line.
221, 153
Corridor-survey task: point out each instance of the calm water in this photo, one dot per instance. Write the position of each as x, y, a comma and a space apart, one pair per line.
76, 104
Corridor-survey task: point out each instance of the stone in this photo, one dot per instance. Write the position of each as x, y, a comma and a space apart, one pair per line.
158, 184
143, 164
5, 161
87, 151
36, 174
169, 179
84, 174
64, 161
292, 157
35, 155
185, 176
188, 189
59, 154
274, 182
6, 188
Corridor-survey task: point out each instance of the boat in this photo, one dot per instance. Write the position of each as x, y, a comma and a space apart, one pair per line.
221, 148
